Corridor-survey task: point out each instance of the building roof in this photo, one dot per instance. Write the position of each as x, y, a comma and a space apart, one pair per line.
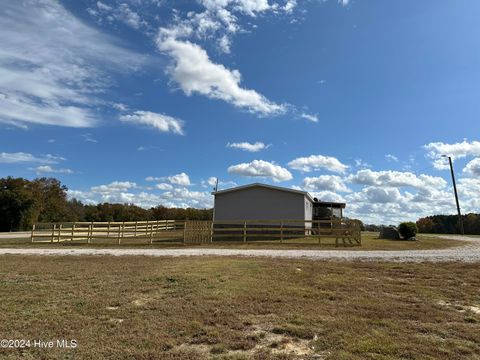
243, 187
331, 204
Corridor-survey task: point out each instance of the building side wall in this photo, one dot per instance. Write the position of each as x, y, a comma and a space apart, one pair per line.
260, 204
308, 210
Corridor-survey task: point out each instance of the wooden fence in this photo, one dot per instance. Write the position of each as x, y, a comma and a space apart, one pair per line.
117, 231
343, 232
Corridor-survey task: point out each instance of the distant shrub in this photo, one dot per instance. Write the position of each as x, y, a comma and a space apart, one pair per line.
407, 229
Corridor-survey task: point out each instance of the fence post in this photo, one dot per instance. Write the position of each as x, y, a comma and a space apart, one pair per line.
33, 230
319, 234
90, 233
211, 232
73, 231
245, 232
184, 231
54, 227
281, 232
135, 235
108, 230
118, 234
59, 232
151, 233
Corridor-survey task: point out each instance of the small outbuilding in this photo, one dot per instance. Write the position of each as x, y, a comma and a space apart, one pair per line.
267, 202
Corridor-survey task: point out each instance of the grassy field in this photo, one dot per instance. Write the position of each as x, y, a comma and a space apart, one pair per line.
370, 241
237, 308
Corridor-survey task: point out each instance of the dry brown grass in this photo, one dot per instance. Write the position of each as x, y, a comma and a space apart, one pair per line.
237, 308
370, 241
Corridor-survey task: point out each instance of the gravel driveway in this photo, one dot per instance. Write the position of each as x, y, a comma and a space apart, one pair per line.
470, 252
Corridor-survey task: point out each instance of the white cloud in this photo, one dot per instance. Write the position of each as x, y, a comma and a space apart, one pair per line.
473, 167
317, 162
180, 179
53, 66
125, 192
212, 181
116, 186
21, 157
164, 186
327, 196
221, 184
391, 157
289, 6
310, 117
379, 195
47, 169
122, 13
194, 72
359, 163
89, 138
390, 178
261, 168
183, 197
455, 150
246, 146
153, 178
161, 122
332, 183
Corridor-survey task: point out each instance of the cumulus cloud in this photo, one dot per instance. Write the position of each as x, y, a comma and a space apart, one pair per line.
455, 150
473, 167
317, 162
391, 178
53, 66
246, 146
195, 72
180, 179
262, 169
21, 157
161, 122
164, 186
379, 195
289, 6
183, 197
116, 186
332, 183
128, 192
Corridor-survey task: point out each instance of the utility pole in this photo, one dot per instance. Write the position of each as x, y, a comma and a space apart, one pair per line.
460, 219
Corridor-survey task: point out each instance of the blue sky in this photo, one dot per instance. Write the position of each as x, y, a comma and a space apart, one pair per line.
144, 101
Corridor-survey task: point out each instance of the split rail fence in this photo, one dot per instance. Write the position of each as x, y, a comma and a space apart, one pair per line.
343, 232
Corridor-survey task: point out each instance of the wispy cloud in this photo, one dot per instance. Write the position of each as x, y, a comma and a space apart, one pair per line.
391, 158
53, 66
309, 117
47, 169
21, 157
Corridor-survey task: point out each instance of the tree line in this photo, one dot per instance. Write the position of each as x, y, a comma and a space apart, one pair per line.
26, 202
448, 224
